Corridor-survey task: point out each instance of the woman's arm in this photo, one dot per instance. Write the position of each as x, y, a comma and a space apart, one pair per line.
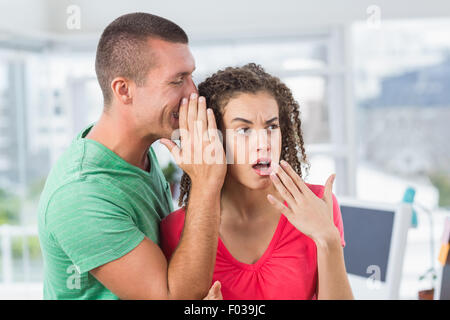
333, 281
313, 216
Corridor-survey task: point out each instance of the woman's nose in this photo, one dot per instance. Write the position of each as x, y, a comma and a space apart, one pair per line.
263, 141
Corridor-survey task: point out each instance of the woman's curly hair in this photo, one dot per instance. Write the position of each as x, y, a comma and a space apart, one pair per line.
226, 84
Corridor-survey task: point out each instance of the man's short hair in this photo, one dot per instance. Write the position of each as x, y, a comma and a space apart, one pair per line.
123, 48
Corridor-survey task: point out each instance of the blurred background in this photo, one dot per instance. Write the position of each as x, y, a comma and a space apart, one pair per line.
372, 79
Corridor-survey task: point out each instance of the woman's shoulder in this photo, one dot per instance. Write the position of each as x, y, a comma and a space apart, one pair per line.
174, 218
318, 189
170, 231
173, 223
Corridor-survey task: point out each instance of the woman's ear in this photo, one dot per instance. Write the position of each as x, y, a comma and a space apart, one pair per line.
122, 90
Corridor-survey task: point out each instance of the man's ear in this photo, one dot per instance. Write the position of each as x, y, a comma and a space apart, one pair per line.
121, 88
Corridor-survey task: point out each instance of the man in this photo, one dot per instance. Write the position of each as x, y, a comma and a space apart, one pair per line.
103, 200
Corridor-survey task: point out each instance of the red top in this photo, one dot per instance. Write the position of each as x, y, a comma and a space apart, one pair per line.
287, 269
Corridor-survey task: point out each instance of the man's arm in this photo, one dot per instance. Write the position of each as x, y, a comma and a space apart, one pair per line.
144, 273
192, 264
140, 274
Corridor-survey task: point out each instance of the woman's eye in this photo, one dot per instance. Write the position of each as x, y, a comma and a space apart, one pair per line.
244, 131
273, 127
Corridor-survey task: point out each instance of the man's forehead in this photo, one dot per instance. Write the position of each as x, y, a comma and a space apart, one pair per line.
183, 70
175, 59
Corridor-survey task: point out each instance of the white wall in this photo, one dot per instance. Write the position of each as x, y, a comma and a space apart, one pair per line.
209, 18
22, 16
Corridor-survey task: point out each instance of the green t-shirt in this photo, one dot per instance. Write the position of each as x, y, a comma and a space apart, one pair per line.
95, 208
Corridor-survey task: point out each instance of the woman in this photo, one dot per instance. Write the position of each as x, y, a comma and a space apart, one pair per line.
279, 237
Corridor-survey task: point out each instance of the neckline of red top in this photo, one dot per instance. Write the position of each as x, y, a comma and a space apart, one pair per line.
267, 253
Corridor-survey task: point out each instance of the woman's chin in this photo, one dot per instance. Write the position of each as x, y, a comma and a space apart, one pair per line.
258, 184
250, 179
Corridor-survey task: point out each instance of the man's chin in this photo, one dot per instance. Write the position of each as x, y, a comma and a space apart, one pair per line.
170, 129
171, 133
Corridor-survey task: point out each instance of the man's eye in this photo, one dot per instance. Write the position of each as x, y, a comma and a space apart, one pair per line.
177, 82
244, 131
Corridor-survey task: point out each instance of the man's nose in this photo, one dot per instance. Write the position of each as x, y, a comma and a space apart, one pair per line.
190, 88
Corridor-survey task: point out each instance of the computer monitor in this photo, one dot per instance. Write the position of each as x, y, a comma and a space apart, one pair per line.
443, 283
375, 236
443, 270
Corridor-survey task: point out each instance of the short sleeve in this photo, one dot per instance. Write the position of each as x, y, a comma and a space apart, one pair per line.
337, 218
90, 227
170, 232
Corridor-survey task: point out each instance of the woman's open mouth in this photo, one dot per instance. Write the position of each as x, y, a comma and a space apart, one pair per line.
262, 167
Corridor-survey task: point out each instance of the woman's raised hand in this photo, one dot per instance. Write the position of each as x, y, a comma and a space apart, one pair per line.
310, 214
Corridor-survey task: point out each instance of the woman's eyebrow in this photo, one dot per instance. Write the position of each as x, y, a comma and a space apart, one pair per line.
249, 122
271, 120
242, 119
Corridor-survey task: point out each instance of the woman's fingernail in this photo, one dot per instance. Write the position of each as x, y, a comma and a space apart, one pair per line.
184, 101
193, 95
283, 163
